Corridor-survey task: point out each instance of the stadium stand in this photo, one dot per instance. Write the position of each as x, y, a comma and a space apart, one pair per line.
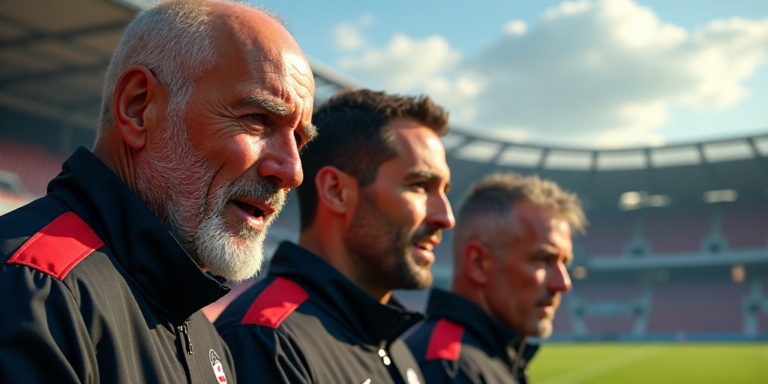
607, 235
35, 165
677, 230
608, 326
745, 226
697, 307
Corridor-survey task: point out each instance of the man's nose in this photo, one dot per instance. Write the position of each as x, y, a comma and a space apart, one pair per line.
280, 162
439, 212
559, 280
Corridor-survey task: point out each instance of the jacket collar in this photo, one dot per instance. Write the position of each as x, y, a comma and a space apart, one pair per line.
497, 338
372, 321
141, 244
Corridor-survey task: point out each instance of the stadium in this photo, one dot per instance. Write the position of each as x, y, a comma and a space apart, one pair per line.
676, 250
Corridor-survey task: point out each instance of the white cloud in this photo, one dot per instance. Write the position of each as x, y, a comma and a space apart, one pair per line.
567, 8
406, 64
348, 36
516, 27
594, 73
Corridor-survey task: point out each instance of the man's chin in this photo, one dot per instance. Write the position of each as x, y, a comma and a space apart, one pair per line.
544, 329
236, 257
420, 278
236, 266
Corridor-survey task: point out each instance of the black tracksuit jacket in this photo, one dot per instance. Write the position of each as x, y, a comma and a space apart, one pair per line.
459, 343
94, 289
307, 323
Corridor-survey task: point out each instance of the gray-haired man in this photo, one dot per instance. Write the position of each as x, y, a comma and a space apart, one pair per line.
511, 245
205, 106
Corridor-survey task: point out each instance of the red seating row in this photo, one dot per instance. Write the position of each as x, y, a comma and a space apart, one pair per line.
33, 164
678, 230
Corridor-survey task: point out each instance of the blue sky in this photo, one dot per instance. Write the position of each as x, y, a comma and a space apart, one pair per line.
609, 74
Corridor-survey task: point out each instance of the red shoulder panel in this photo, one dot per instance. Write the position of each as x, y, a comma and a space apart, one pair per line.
275, 303
58, 247
445, 341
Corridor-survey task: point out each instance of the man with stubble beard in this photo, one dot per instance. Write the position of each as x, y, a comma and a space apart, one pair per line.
205, 106
511, 245
372, 209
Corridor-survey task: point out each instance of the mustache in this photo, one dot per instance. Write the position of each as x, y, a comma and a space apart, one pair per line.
423, 232
552, 298
250, 188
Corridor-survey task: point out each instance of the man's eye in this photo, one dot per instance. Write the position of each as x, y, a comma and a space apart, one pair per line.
422, 185
543, 259
299, 140
256, 117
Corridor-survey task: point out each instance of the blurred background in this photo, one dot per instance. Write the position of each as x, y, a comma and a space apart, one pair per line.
654, 112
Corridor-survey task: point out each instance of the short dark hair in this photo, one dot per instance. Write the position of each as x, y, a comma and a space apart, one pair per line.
354, 137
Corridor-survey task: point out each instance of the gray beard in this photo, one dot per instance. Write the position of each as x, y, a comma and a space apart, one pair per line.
174, 183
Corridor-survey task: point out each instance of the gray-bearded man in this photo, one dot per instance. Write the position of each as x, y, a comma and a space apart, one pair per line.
205, 107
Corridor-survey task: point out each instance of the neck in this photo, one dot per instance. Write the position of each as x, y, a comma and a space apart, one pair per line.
471, 292
325, 240
118, 156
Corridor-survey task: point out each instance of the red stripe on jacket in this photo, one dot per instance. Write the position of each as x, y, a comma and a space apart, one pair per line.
445, 341
59, 246
275, 303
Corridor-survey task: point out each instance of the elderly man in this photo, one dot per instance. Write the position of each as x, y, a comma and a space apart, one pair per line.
511, 246
205, 107
375, 209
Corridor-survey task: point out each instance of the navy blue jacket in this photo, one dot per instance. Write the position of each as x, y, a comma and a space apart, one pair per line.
307, 323
459, 343
94, 289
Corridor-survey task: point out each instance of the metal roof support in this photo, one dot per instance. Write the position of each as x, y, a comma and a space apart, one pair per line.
46, 76
649, 172
591, 175
761, 160
49, 111
714, 180
495, 159
38, 36
540, 166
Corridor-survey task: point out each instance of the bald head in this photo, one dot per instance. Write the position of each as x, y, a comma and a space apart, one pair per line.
250, 28
178, 40
245, 36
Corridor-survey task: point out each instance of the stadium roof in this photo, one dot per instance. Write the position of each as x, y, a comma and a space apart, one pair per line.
650, 177
53, 65
54, 60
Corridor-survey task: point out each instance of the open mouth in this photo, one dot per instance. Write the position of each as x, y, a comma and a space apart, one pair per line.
425, 245
254, 213
249, 209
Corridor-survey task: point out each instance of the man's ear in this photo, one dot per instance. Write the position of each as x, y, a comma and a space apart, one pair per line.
135, 91
479, 262
336, 190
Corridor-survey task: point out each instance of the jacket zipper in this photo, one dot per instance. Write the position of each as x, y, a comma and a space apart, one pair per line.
383, 354
519, 356
184, 330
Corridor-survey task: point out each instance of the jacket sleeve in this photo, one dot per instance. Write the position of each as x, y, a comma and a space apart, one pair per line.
265, 355
43, 338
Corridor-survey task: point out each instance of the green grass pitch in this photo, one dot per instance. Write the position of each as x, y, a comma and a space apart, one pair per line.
650, 363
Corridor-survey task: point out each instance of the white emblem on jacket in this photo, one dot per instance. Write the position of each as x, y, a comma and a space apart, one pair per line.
217, 369
413, 378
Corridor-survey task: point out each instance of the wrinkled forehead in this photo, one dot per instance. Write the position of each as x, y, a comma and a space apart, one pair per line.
256, 41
